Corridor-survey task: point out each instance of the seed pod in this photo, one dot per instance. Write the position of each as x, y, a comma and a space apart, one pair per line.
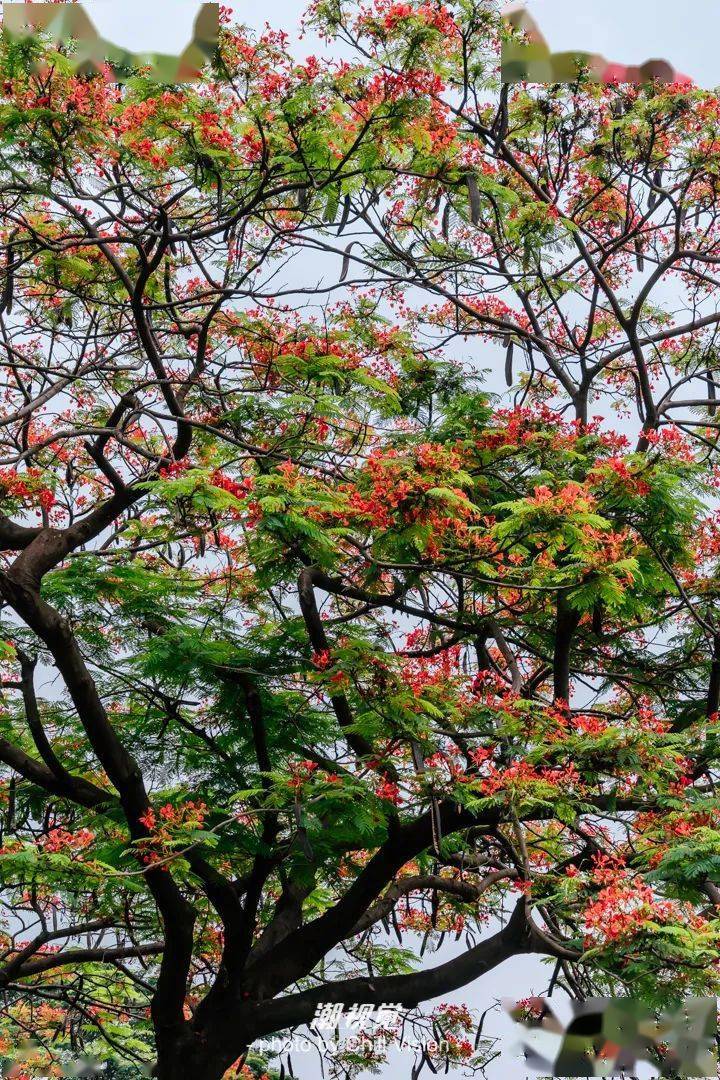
474, 196
167, 281
712, 395
436, 823
417, 757
446, 221
639, 261
396, 925
423, 943
346, 261
345, 214
509, 364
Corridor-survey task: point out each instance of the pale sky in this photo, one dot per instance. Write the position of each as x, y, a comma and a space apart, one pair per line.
626, 31
145, 25
633, 31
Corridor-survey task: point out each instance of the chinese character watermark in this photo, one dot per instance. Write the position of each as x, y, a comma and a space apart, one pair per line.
328, 1015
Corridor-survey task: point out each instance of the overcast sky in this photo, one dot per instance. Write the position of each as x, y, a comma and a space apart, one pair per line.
632, 31
626, 31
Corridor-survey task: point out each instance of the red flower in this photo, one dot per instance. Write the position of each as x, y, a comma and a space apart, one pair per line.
388, 791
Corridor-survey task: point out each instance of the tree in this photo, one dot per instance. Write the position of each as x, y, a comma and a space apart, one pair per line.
311, 638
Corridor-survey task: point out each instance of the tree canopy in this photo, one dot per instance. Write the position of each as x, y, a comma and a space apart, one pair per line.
358, 467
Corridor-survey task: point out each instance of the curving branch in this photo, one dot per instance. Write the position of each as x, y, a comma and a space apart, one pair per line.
514, 939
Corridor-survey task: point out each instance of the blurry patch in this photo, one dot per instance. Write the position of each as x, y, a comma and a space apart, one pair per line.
92, 54
607, 1036
527, 57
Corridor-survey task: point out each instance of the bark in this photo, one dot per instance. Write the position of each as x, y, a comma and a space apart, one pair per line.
565, 625
186, 1055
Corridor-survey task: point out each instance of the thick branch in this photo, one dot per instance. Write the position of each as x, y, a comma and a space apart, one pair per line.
80, 956
408, 990
76, 788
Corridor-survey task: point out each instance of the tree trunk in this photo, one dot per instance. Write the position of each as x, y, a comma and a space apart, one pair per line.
194, 1056
195, 1062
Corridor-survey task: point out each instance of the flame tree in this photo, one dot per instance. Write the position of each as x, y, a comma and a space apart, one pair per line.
316, 648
